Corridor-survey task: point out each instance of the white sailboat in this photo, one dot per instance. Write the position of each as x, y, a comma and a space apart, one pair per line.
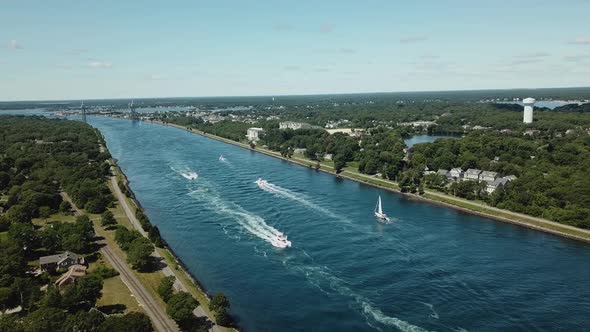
222, 158
379, 211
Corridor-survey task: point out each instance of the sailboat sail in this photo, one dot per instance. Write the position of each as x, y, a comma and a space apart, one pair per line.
379, 208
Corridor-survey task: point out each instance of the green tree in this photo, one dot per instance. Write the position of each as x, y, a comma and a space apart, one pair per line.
65, 207
45, 319
219, 302
131, 322
107, 219
87, 321
166, 288
24, 235
180, 308
139, 253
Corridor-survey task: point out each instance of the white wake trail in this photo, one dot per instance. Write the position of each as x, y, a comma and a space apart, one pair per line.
253, 223
321, 277
300, 198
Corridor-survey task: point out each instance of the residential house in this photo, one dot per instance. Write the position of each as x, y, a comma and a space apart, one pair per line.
328, 156
294, 125
60, 261
488, 176
472, 174
443, 172
299, 150
492, 186
456, 174
70, 277
254, 134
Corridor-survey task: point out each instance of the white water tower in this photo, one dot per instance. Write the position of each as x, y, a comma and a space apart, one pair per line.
529, 104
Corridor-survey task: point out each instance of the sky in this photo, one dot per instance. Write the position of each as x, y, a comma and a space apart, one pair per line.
54, 50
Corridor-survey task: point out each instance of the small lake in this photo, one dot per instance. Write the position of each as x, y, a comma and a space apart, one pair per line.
423, 139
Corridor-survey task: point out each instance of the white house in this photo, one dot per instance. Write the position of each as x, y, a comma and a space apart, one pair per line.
456, 173
294, 125
488, 176
253, 134
472, 174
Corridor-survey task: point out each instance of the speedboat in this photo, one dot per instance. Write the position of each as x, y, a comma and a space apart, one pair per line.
280, 241
379, 211
261, 183
190, 175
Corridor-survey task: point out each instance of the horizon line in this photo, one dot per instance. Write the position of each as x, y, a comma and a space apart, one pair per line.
293, 95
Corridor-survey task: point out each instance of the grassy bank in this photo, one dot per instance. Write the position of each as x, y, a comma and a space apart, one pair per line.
476, 208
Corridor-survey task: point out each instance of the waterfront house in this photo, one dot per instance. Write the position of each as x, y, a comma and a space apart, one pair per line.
492, 186
443, 172
456, 174
488, 176
299, 150
328, 156
253, 134
60, 261
70, 277
472, 174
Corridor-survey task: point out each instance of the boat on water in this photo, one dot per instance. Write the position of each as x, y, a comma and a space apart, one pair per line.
379, 211
280, 241
222, 158
261, 183
190, 175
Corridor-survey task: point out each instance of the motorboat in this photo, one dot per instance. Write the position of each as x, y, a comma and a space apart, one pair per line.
190, 175
222, 158
379, 211
280, 241
262, 183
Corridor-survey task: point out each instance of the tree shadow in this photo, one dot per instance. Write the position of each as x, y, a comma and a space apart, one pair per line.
155, 264
112, 309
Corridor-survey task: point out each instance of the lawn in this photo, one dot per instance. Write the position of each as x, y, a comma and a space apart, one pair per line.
116, 296
54, 217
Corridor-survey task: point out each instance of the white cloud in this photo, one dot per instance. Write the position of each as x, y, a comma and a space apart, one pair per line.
576, 58
347, 50
282, 27
15, 45
326, 28
414, 39
100, 64
533, 55
581, 41
76, 51
155, 77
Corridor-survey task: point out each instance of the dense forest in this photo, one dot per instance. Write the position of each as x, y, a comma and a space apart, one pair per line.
38, 159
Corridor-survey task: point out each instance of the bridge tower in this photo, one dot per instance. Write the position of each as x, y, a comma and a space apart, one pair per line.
132, 113
83, 108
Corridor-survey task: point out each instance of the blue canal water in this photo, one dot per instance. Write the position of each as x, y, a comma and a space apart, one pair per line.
430, 269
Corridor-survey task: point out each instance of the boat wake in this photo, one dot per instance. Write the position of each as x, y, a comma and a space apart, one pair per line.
433, 313
187, 174
323, 279
300, 198
252, 223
